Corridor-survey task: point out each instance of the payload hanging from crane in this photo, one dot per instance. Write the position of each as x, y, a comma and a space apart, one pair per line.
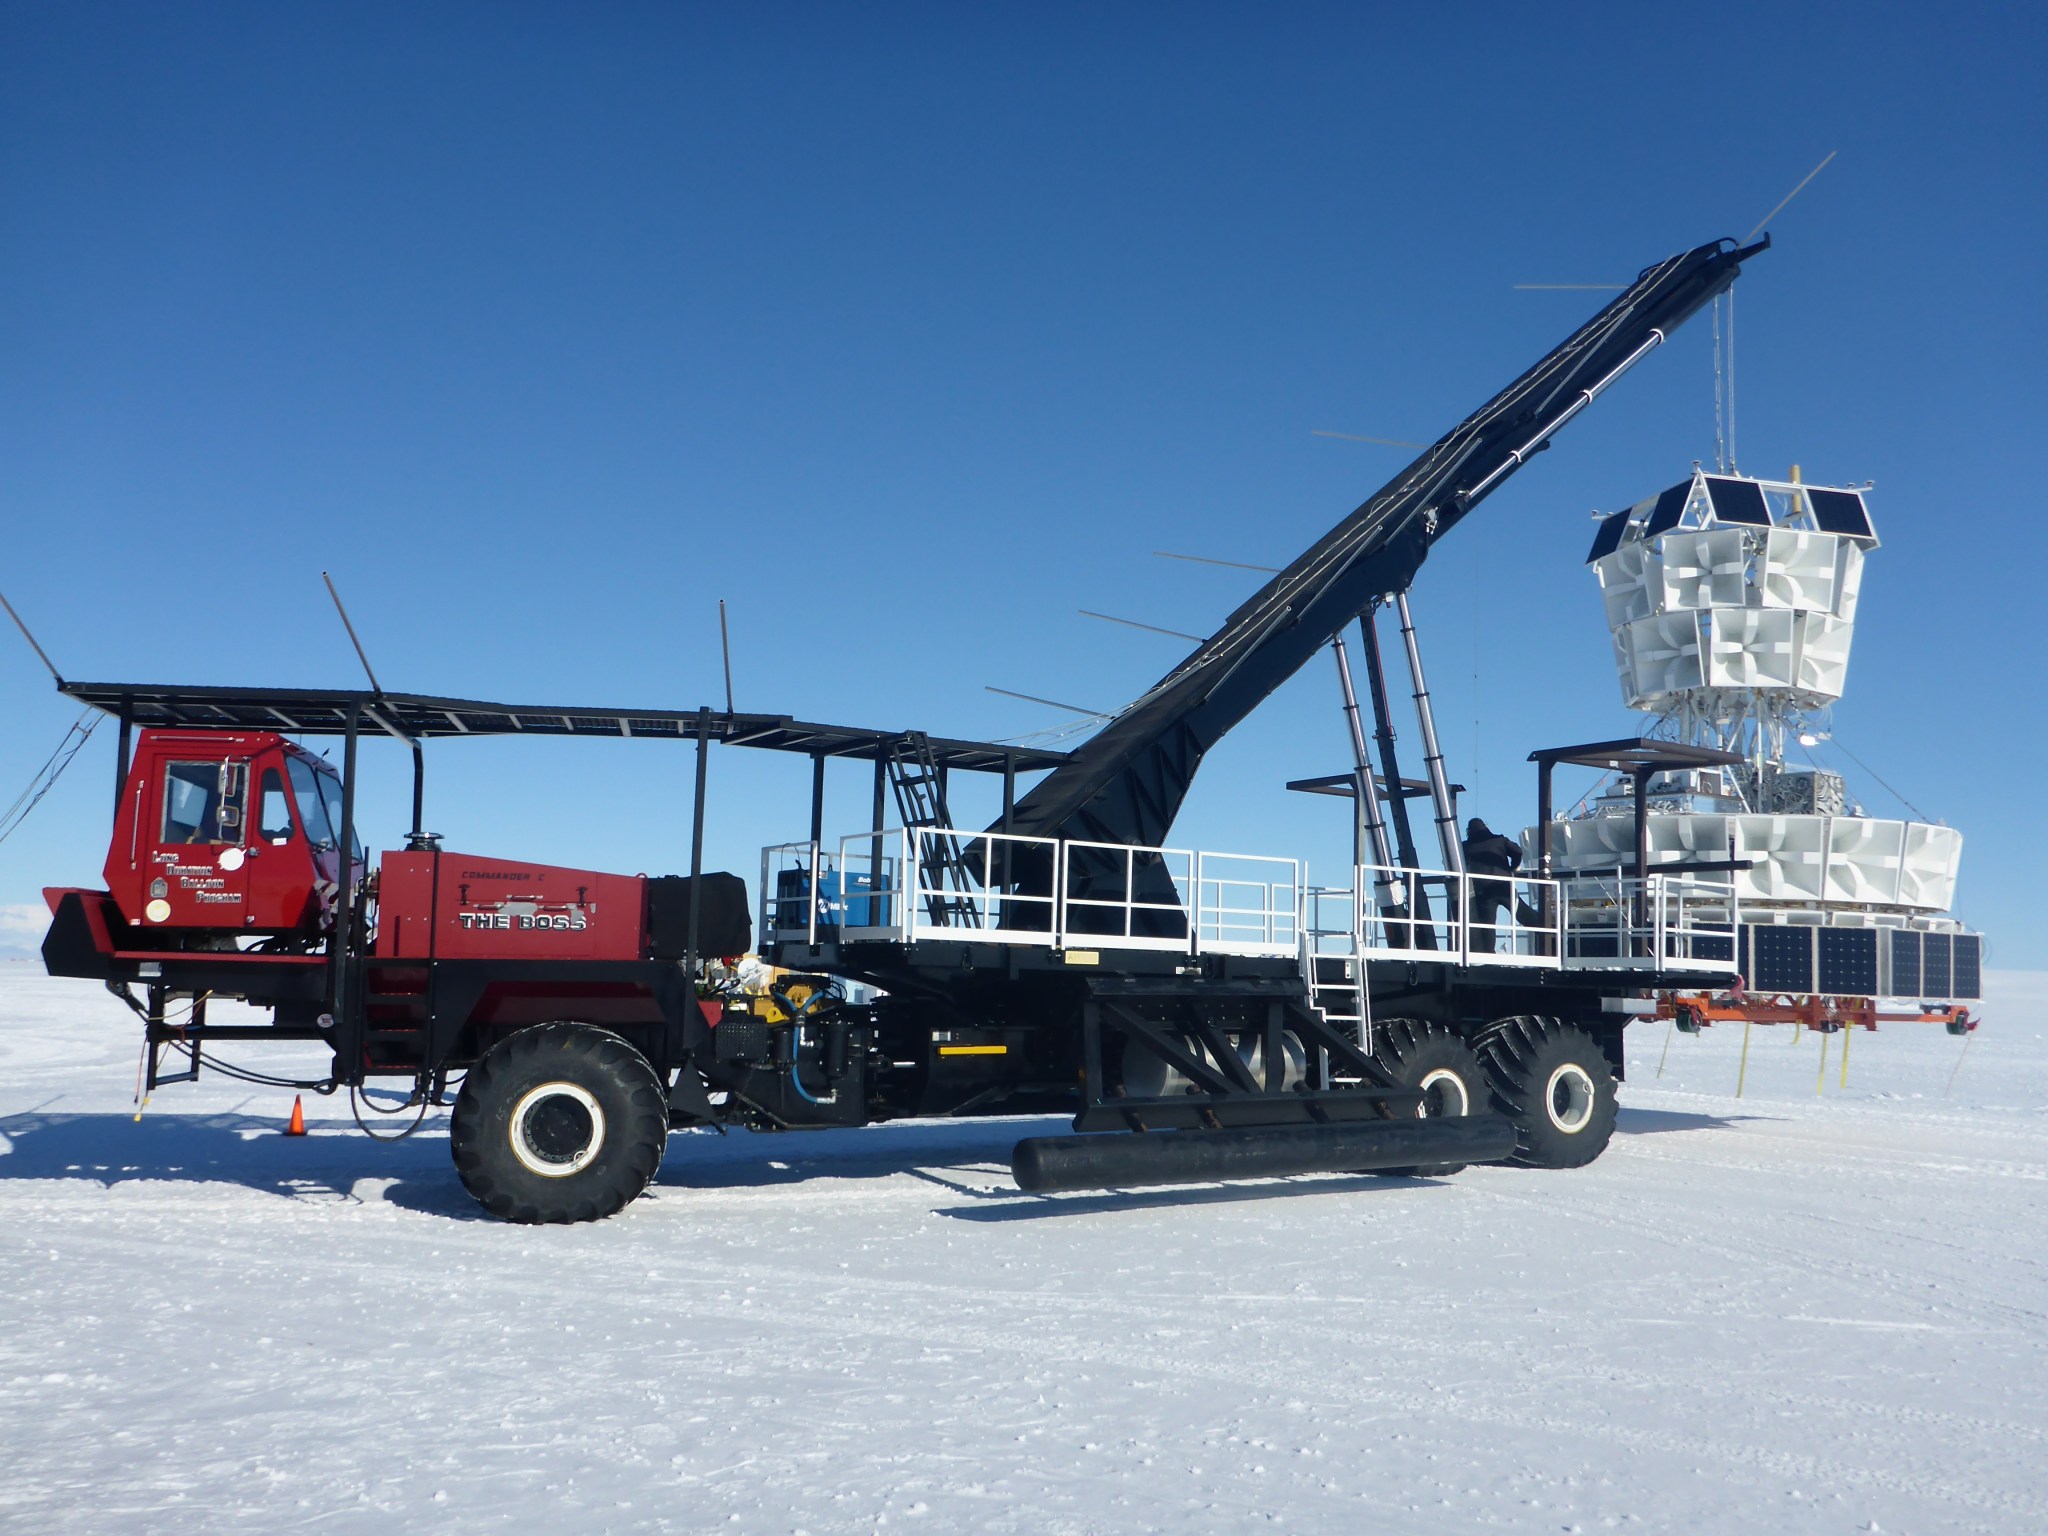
1732, 603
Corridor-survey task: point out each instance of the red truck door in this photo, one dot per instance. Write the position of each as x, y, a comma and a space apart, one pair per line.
280, 870
194, 834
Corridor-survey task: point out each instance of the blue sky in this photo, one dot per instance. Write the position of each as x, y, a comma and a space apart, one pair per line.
911, 330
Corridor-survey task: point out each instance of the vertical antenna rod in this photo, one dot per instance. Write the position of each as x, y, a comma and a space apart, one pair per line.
1733, 461
725, 645
1720, 397
375, 686
31, 639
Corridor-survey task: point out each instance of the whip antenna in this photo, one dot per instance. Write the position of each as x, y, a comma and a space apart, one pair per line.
375, 686
1788, 197
1236, 565
1178, 634
31, 639
1353, 437
725, 645
1076, 709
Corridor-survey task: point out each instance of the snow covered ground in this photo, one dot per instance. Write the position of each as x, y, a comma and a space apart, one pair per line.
1784, 1312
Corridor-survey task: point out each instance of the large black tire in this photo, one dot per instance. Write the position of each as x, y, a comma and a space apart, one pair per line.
1431, 1058
561, 1122
1553, 1081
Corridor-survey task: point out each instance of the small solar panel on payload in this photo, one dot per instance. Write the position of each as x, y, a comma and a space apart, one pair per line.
1607, 537
1841, 512
1670, 507
1738, 501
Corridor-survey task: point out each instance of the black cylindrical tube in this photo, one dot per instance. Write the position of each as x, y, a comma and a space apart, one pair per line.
419, 789
1125, 1160
121, 756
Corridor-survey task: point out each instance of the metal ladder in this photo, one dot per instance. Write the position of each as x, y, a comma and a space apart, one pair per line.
920, 787
1336, 984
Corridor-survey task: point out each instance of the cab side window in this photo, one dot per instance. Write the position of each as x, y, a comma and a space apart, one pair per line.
274, 816
203, 802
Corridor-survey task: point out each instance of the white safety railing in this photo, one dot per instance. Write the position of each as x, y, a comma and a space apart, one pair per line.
1247, 903
809, 894
873, 865
1471, 919
1391, 927
1694, 918
982, 899
1100, 904
904, 884
1618, 921
789, 885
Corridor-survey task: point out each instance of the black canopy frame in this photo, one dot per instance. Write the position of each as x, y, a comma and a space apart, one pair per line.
415, 718
1640, 758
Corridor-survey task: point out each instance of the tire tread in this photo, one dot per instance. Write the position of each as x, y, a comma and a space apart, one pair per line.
1519, 1054
581, 1050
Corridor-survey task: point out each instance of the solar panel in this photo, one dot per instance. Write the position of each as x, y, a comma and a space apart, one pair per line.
1607, 537
1968, 977
1848, 961
1738, 501
325, 712
1841, 512
1905, 980
1670, 507
1939, 950
1781, 957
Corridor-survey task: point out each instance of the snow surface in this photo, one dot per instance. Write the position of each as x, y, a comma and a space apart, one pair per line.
1784, 1312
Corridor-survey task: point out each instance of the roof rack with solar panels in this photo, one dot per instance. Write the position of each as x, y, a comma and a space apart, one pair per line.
420, 717
412, 718
1728, 500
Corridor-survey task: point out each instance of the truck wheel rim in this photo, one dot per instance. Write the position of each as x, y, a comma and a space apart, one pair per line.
1569, 1098
557, 1129
1443, 1094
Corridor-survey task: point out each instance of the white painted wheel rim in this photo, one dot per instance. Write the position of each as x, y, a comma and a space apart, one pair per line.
1448, 1087
1568, 1098
546, 1128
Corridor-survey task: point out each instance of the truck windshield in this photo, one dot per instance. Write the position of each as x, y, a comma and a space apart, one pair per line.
319, 795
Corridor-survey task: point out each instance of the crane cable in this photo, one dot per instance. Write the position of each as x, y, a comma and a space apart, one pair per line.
1909, 805
47, 775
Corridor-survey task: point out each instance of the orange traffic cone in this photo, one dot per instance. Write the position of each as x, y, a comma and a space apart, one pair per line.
297, 1127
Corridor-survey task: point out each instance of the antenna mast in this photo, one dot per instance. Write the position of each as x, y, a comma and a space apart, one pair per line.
31, 639
375, 686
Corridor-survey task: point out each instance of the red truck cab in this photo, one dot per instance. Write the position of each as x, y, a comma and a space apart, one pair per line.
234, 831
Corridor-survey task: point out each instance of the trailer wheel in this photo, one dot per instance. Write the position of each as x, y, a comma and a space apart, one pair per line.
561, 1122
1553, 1081
1428, 1057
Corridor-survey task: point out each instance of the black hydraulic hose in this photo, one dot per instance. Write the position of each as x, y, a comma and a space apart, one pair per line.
245, 1075
356, 1099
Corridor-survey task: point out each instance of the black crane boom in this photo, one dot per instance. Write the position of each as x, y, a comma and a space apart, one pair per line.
1126, 783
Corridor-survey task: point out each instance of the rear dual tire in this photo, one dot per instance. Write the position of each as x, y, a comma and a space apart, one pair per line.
1439, 1065
1554, 1082
559, 1123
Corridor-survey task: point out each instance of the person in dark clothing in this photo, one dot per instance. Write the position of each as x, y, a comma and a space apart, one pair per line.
1491, 859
